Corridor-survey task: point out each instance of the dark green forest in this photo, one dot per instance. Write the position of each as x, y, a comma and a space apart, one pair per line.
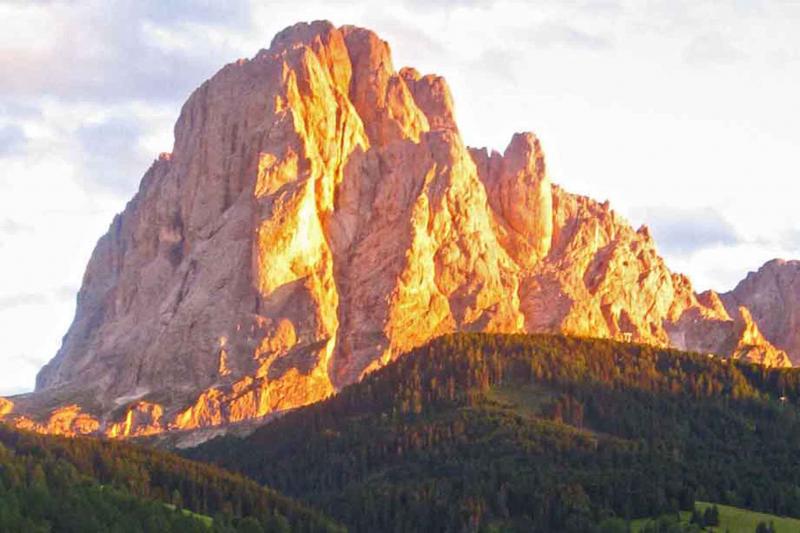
50, 483
481, 432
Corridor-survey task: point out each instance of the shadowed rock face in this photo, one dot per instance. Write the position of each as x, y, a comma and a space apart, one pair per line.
772, 295
318, 216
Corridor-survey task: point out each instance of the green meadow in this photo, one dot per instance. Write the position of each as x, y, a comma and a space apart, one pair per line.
735, 520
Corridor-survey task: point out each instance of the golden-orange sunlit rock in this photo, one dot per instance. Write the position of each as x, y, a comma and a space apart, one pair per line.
68, 420
143, 418
319, 215
6, 406
772, 296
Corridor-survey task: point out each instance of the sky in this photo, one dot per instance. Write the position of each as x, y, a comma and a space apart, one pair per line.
685, 115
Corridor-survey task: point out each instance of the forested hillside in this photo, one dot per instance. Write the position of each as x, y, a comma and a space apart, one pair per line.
52, 483
534, 433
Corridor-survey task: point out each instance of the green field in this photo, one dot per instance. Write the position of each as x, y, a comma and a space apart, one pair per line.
527, 400
207, 520
735, 520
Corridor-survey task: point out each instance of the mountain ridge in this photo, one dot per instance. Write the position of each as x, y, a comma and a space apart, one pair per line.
319, 215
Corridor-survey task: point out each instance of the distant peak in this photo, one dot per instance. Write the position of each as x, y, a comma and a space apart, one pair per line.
780, 263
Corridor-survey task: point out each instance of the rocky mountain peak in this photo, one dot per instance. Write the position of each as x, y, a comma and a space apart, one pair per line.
318, 216
772, 296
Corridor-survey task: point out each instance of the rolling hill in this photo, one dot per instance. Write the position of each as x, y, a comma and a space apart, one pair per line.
477, 432
81, 484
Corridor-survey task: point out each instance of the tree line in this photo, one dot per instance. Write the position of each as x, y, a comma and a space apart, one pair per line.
482, 432
51, 483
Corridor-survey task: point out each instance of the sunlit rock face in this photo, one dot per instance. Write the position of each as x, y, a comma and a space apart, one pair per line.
318, 216
68, 420
772, 295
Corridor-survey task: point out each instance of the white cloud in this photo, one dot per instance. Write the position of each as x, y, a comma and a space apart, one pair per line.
722, 267
18, 300
12, 139
712, 49
96, 51
686, 231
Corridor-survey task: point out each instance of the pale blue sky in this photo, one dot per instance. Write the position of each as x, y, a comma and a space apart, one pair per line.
683, 114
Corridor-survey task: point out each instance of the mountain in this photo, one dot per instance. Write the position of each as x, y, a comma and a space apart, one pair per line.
480, 432
772, 294
52, 483
319, 215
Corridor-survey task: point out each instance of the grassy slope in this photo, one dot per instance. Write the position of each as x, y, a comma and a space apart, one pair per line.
204, 519
736, 520
527, 400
